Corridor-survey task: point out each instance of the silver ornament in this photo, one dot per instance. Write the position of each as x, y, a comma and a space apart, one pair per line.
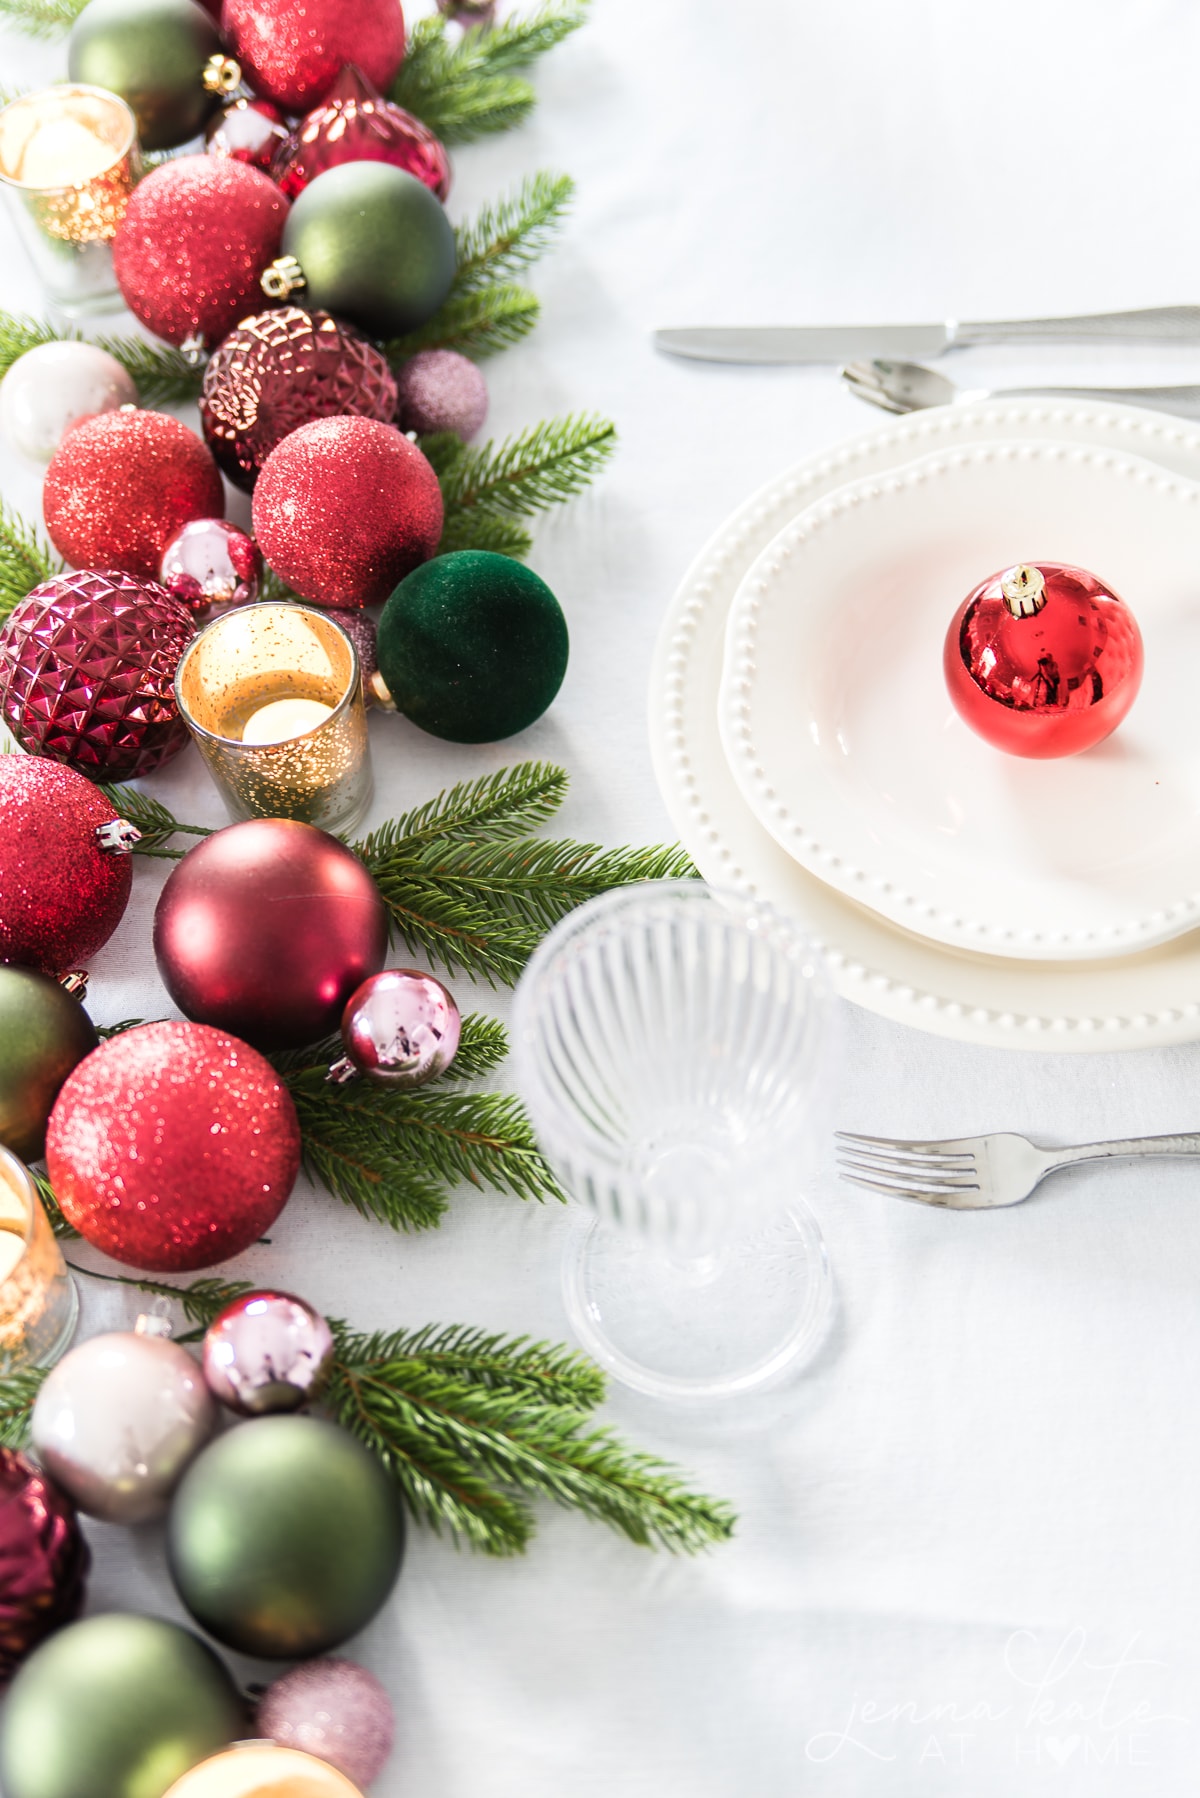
119, 1418
50, 388
267, 1351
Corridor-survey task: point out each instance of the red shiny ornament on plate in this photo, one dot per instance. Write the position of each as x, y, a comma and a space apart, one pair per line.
293, 54
1043, 659
61, 896
354, 123
250, 131
44, 1560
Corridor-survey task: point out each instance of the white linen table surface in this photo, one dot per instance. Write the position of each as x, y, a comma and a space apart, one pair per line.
969, 1549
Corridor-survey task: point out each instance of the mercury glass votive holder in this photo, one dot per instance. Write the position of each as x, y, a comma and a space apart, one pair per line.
273, 696
39, 1306
264, 1770
69, 159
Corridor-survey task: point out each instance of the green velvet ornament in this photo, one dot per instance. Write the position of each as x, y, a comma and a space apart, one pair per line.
152, 53
472, 646
44, 1033
374, 244
115, 1707
285, 1537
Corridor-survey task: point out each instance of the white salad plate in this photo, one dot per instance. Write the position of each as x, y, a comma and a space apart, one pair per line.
1149, 998
841, 735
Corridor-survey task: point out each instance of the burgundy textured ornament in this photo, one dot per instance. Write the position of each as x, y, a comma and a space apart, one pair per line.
198, 233
354, 123
345, 508
61, 894
334, 1709
266, 928
44, 1560
439, 390
211, 563
122, 485
293, 54
87, 672
401, 1028
266, 1352
250, 131
283, 369
173, 1147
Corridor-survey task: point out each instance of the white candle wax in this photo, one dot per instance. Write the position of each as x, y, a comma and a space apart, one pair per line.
282, 719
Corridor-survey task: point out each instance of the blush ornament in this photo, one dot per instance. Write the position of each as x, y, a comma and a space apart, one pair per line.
265, 1352
53, 387
334, 1709
439, 390
401, 1028
211, 563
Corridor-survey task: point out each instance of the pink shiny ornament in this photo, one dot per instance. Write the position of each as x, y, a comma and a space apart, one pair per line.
335, 1710
439, 390
1043, 660
250, 131
354, 123
267, 1351
401, 1028
211, 563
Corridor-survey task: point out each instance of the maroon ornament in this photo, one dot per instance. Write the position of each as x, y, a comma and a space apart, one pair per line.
266, 928
211, 563
250, 131
266, 1352
188, 254
1043, 660
121, 485
283, 369
293, 54
334, 1709
61, 893
173, 1147
354, 123
345, 508
44, 1560
87, 672
401, 1028
439, 390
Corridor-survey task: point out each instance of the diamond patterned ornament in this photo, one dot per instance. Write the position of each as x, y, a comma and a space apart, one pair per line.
354, 123
283, 369
87, 670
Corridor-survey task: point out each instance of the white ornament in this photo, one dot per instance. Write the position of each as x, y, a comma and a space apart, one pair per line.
50, 388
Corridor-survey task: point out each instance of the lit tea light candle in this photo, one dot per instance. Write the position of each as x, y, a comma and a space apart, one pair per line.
263, 1770
38, 1301
281, 719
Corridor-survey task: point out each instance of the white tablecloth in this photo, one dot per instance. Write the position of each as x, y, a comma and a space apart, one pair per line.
969, 1548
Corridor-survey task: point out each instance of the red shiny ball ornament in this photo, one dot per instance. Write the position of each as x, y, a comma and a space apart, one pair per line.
293, 54
345, 508
173, 1147
1043, 660
44, 1560
401, 1028
266, 928
283, 369
211, 563
198, 233
250, 131
61, 896
122, 484
354, 123
87, 673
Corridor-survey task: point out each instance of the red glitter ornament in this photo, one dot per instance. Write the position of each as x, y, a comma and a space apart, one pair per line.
354, 123
61, 895
293, 54
87, 671
250, 131
197, 235
1043, 660
283, 369
122, 485
345, 508
44, 1560
173, 1147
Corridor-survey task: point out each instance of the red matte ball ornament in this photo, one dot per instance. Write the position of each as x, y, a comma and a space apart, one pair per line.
62, 893
1043, 660
293, 54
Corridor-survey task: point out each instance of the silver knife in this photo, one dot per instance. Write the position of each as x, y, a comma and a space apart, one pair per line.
848, 343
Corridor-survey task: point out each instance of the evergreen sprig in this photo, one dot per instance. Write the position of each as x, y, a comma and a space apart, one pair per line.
539, 467
26, 560
62, 1229
510, 233
18, 1391
151, 817
42, 18
160, 373
475, 323
466, 89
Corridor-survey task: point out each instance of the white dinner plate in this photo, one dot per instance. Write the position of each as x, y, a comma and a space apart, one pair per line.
845, 745
1147, 999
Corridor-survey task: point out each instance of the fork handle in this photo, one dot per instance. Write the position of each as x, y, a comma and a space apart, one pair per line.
1127, 1148
1151, 324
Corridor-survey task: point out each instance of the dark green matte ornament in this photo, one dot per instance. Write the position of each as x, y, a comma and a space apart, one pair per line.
44, 1033
285, 1537
117, 1706
472, 646
153, 53
374, 246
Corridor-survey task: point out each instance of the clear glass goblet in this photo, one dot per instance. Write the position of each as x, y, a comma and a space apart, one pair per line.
673, 1047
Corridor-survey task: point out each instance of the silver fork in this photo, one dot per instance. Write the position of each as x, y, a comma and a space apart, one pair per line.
978, 1173
911, 387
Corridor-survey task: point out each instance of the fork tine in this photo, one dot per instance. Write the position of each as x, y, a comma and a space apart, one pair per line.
950, 1164
935, 1181
899, 1192
950, 1145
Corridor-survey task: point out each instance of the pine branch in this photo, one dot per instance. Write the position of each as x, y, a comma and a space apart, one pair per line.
156, 823
201, 1301
275, 588
62, 1229
18, 1390
483, 530
104, 1031
509, 803
475, 324
467, 89
42, 18
512, 232
162, 376
539, 467
26, 560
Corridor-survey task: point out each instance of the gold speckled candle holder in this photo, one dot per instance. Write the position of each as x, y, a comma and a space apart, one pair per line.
38, 1302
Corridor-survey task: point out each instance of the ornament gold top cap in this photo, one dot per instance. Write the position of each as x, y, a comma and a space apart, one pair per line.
222, 74
283, 277
382, 692
1024, 590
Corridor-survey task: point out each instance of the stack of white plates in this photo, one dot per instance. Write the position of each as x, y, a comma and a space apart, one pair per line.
809, 753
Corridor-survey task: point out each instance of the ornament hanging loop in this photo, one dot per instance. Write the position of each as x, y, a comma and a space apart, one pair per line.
222, 74
155, 1322
1024, 590
341, 1070
117, 837
283, 278
382, 692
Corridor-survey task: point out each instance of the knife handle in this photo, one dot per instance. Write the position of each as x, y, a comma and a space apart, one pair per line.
1153, 324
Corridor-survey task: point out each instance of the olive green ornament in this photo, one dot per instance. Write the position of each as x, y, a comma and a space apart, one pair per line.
370, 244
472, 647
44, 1033
164, 58
285, 1537
117, 1706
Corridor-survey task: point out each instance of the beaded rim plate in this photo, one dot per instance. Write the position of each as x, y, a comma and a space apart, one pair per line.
846, 747
1143, 1000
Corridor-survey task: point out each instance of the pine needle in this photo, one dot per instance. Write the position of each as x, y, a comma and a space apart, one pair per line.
42, 18
152, 818
542, 466
510, 233
18, 1390
466, 89
475, 324
26, 560
62, 1229
484, 530
509, 803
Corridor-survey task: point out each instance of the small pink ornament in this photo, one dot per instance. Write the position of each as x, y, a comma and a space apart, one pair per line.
401, 1028
335, 1710
250, 131
354, 123
211, 563
439, 390
267, 1351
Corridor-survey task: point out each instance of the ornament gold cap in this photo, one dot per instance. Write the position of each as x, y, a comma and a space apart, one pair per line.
75, 982
222, 74
283, 277
340, 1071
1024, 590
155, 1322
382, 692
